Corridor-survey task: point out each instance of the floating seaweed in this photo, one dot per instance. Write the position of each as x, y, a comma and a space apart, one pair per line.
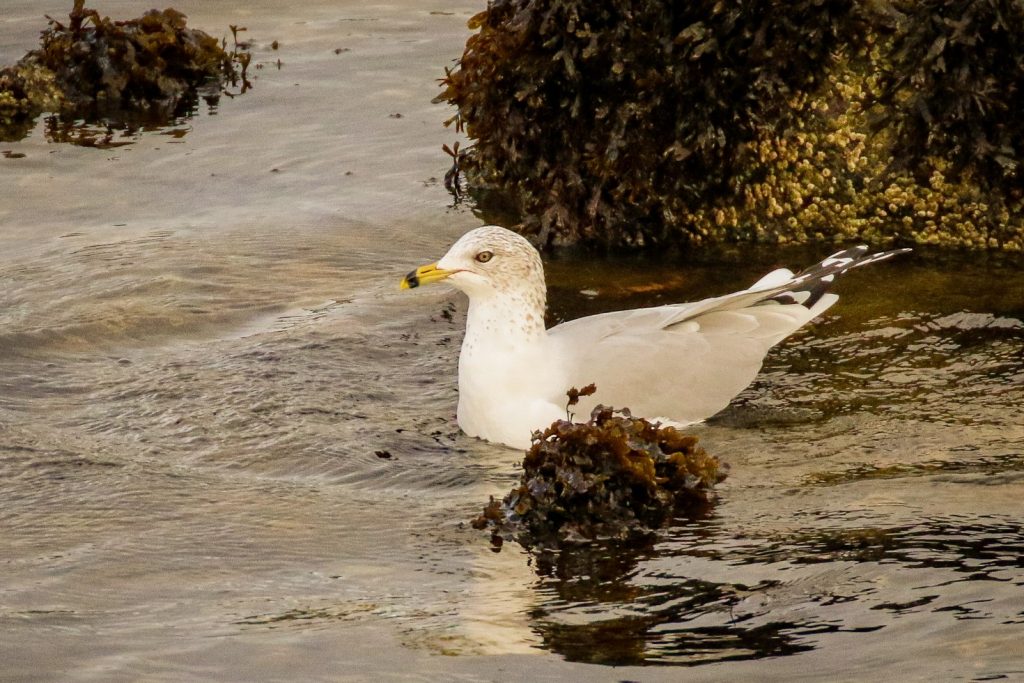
637, 123
612, 477
147, 70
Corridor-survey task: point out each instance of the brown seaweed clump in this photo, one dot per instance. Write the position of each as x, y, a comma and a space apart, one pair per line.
613, 477
148, 69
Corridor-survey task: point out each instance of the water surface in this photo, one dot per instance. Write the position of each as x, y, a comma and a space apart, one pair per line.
227, 441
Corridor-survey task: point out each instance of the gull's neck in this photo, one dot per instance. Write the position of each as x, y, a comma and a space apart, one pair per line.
506, 371
509, 320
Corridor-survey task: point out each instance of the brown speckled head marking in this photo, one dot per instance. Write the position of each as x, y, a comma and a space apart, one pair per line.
510, 280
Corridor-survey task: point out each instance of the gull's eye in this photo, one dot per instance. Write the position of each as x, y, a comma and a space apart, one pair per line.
484, 256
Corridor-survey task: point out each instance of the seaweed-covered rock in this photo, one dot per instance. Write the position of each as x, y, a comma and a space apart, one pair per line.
640, 122
953, 87
25, 90
148, 69
605, 119
613, 477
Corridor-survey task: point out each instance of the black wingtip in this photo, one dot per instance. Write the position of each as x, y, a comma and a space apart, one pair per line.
815, 281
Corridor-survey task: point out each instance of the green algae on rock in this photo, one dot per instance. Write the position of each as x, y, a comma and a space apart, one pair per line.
613, 477
637, 122
148, 69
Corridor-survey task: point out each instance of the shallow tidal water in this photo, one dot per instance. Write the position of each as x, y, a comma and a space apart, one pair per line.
227, 440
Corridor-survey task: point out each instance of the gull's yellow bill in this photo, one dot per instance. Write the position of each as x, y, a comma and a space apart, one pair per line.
424, 275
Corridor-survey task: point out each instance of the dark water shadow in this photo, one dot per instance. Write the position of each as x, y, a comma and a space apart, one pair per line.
601, 606
973, 549
656, 603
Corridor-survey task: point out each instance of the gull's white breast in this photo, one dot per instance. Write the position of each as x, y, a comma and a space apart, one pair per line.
507, 390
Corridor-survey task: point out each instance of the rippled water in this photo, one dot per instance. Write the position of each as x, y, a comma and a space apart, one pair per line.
227, 446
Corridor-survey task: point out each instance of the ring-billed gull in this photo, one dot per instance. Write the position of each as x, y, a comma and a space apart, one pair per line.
679, 363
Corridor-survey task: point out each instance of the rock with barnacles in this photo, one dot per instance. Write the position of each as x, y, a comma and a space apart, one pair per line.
640, 123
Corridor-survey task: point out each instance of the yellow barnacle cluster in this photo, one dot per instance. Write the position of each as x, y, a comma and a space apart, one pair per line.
833, 180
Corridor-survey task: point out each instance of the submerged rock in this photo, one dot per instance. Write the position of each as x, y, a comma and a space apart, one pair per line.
146, 69
612, 477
